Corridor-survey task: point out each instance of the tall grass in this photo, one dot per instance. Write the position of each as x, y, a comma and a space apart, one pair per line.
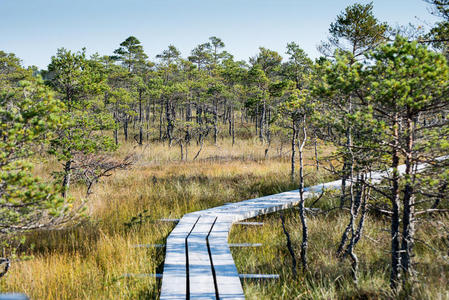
89, 260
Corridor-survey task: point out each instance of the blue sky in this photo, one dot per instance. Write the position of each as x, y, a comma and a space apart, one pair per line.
34, 29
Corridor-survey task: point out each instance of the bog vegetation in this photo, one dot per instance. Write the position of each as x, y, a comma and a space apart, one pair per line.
95, 150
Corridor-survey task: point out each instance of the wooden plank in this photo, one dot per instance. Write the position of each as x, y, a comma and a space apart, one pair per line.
259, 276
226, 274
143, 275
242, 276
249, 223
13, 296
169, 220
237, 245
174, 281
149, 246
201, 278
240, 245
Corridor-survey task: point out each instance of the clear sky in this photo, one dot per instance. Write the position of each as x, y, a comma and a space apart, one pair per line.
34, 29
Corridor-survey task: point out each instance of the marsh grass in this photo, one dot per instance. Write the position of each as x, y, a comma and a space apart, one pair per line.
329, 277
89, 260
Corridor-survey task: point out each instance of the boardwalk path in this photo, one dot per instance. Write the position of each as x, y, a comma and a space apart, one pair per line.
198, 262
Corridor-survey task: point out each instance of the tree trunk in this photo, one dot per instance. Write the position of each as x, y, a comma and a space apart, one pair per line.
345, 161
140, 119
160, 122
116, 135
182, 150
289, 246
125, 128
292, 173
233, 127
408, 229
67, 177
168, 115
316, 154
215, 121
262, 122
395, 221
116, 128
305, 234
352, 205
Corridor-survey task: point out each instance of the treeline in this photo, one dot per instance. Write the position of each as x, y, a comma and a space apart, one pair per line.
379, 97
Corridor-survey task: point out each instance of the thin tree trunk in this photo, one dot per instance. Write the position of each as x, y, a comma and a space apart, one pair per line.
116, 128
67, 177
125, 128
289, 246
345, 162
160, 122
356, 233
199, 151
233, 127
262, 122
140, 119
292, 173
395, 221
408, 229
168, 115
353, 208
305, 234
316, 154
215, 121
182, 150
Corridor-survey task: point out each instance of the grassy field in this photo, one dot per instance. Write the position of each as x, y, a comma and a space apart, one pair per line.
89, 260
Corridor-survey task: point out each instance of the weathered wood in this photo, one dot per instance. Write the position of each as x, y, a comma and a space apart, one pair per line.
13, 296
242, 276
242, 245
226, 274
259, 276
236, 245
169, 220
158, 276
174, 282
249, 223
201, 278
149, 246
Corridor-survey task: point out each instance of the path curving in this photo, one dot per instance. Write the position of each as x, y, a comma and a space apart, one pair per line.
198, 262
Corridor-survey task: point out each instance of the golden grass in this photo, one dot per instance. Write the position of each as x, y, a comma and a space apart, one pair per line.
89, 260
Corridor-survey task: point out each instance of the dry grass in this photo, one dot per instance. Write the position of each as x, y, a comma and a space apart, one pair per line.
89, 260
329, 277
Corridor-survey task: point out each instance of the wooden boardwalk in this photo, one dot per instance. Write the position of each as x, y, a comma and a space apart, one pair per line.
198, 261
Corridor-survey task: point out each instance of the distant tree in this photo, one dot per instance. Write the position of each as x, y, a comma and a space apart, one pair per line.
233, 75
169, 56
298, 66
201, 56
258, 95
131, 55
356, 31
215, 45
298, 69
268, 60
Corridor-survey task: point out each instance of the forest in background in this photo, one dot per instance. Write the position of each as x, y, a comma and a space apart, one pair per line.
376, 99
